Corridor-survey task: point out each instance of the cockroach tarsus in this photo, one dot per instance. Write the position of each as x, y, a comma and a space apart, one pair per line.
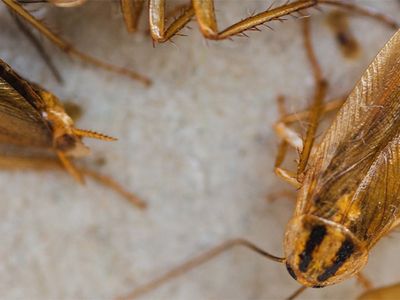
347, 193
31, 117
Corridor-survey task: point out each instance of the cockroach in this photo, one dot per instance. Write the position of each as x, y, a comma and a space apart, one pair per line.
32, 118
348, 192
19, 11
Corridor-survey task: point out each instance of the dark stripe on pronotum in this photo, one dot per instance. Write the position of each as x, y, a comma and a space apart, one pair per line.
315, 239
344, 252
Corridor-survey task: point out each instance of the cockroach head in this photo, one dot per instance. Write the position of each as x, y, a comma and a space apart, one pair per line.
320, 253
66, 138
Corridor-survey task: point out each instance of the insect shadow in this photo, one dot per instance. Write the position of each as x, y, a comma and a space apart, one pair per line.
347, 184
37, 133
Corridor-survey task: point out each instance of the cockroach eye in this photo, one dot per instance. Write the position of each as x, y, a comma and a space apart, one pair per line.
291, 272
65, 142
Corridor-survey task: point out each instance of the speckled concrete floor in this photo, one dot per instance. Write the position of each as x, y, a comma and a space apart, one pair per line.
197, 145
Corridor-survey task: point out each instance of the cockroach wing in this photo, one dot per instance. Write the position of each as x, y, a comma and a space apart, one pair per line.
363, 131
20, 123
375, 205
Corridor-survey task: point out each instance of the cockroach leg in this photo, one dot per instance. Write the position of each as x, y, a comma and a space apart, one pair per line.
131, 11
288, 176
157, 21
15, 7
205, 14
196, 261
299, 291
288, 136
364, 281
329, 106
69, 166
281, 154
112, 184
319, 96
44, 164
38, 45
365, 11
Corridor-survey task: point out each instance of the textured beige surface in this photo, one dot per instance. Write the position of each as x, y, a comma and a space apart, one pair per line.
197, 146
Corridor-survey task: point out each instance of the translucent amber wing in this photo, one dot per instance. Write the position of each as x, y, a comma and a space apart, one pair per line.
20, 122
22, 86
365, 125
376, 202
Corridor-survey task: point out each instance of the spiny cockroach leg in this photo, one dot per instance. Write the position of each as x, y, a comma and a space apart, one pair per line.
205, 14
157, 21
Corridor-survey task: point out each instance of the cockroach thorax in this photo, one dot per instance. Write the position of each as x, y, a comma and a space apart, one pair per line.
320, 252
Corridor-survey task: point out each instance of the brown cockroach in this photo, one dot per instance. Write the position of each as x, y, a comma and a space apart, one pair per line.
348, 196
19, 11
31, 118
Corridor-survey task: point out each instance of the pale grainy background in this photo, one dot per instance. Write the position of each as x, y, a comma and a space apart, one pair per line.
197, 145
